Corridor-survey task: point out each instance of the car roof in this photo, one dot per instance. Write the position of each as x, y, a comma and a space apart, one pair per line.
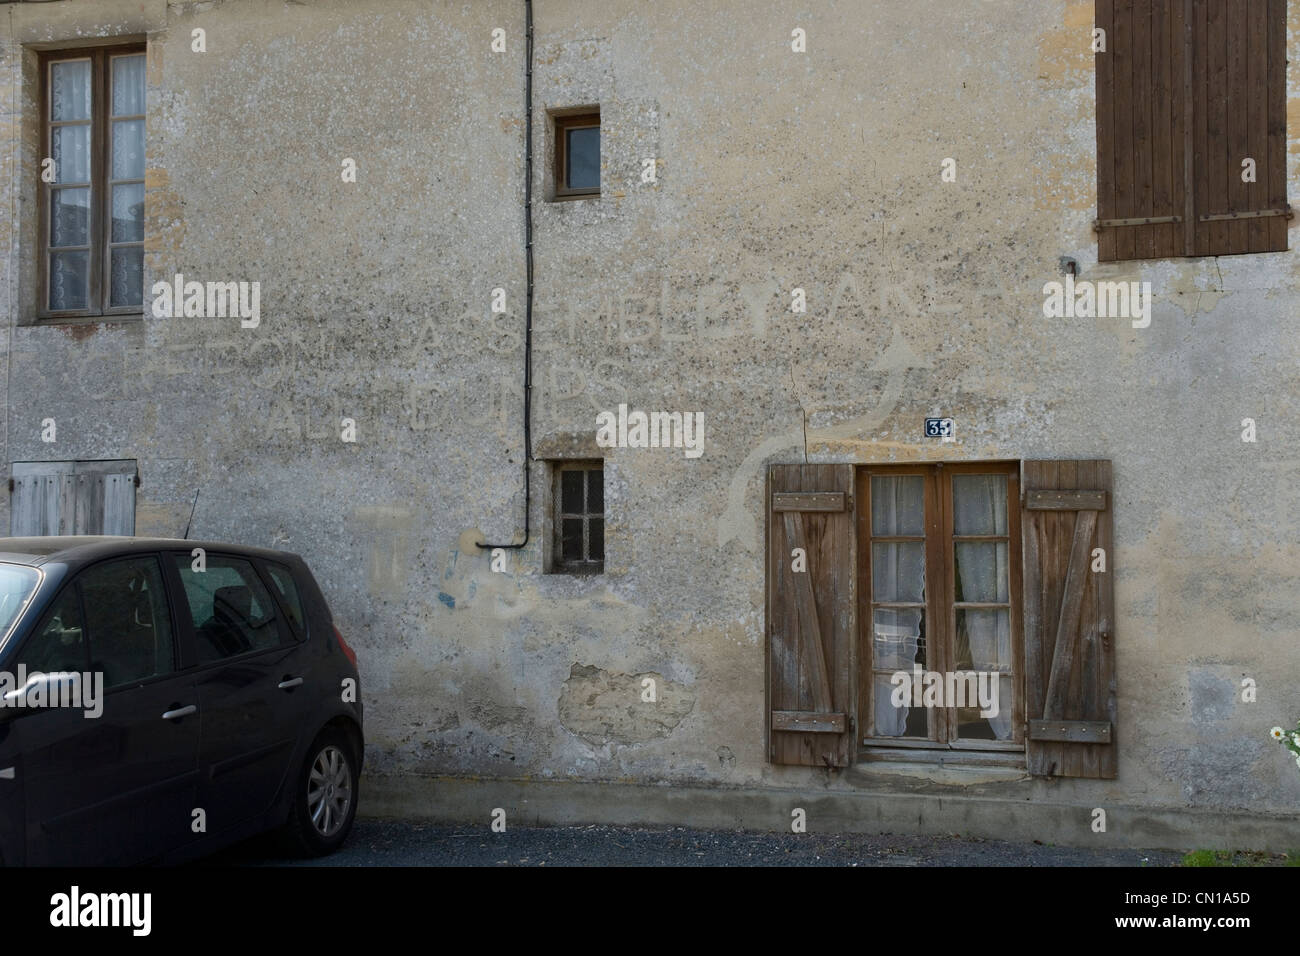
82, 549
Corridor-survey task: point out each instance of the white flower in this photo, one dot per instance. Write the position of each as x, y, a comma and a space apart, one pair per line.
1295, 739
1276, 733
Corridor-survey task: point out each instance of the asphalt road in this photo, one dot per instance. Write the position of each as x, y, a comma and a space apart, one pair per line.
416, 844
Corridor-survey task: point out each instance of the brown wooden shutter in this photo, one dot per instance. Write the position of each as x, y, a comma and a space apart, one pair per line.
1069, 619
810, 615
1141, 142
1186, 90
1239, 55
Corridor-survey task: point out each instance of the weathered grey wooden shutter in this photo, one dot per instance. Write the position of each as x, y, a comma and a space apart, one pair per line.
105, 497
810, 615
66, 497
1069, 618
44, 498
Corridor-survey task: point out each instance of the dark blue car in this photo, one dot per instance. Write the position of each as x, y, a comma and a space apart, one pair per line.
162, 698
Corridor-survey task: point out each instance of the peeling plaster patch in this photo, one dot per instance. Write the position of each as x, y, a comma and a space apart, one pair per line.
1212, 695
1222, 771
604, 707
1068, 47
1293, 122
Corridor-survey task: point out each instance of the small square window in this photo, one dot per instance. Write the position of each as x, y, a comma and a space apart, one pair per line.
577, 155
578, 537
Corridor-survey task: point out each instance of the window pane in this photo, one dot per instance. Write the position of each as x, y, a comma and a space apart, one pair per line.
898, 570
904, 721
128, 85
16, 586
898, 505
979, 696
582, 154
59, 645
70, 90
983, 645
70, 216
68, 271
70, 146
979, 504
129, 623
127, 276
596, 528
128, 149
982, 571
282, 578
898, 643
571, 539
898, 638
596, 491
128, 213
571, 492
983, 639
231, 610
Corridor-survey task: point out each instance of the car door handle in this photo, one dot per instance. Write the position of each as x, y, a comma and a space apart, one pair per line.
180, 712
289, 684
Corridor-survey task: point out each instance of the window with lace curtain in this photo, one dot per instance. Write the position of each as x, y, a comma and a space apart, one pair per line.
943, 585
92, 182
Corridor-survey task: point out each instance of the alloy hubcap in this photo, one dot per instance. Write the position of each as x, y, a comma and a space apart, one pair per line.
329, 791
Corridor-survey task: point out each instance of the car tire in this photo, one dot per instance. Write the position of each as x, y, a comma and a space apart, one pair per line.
325, 796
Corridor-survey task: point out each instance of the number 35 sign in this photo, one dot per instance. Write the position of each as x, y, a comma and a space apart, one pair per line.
940, 428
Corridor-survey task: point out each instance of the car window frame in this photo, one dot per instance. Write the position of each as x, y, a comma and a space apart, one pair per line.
183, 611
74, 581
177, 669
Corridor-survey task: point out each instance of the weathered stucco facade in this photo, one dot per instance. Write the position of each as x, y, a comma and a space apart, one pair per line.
774, 170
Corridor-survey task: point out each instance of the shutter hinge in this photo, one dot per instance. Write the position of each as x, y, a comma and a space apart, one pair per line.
1286, 212
1099, 224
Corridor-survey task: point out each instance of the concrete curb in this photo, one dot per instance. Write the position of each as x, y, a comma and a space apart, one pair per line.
462, 800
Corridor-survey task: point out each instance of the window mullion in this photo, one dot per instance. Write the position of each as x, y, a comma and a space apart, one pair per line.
936, 594
98, 176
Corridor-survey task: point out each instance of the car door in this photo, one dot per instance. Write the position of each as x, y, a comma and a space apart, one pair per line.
251, 685
111, 777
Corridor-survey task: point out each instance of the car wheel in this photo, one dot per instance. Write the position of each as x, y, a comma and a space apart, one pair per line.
325, 801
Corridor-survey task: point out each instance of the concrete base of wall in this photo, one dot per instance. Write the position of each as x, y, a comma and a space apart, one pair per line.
880, 809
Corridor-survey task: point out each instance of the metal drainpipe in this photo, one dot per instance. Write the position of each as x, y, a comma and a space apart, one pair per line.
528, 256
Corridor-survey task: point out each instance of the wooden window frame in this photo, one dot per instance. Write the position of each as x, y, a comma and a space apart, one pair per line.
586, 118
940, 610
586, 565
100, 185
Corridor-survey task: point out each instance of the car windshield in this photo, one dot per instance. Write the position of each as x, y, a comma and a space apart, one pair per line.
17, 582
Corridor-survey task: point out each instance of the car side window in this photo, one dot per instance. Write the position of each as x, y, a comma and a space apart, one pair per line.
59, 644
282, 578
232, 611
128, 621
